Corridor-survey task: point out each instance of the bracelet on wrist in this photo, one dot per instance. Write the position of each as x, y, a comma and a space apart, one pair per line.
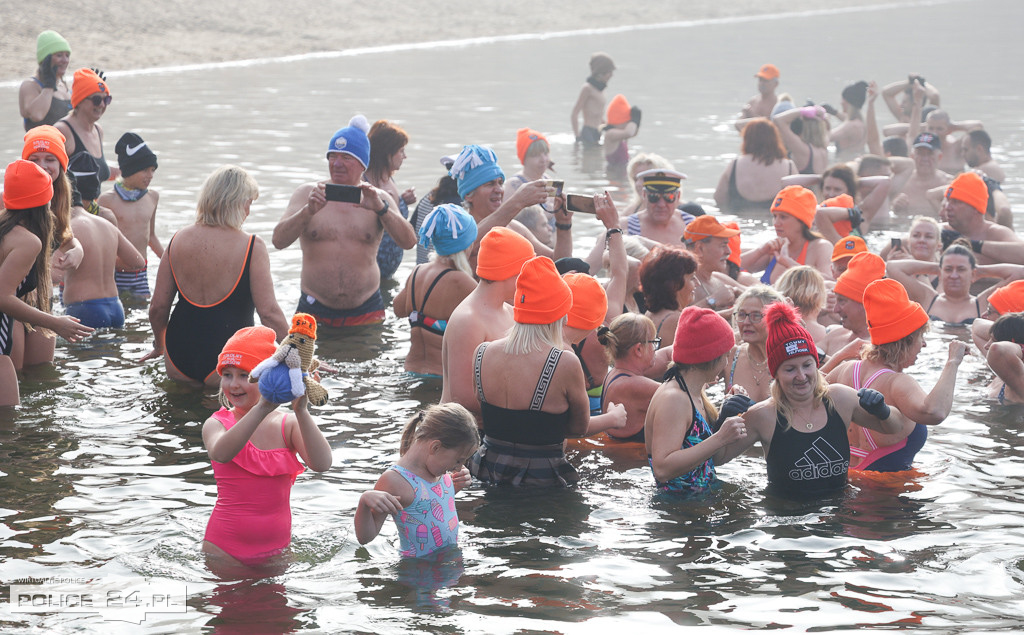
563, 226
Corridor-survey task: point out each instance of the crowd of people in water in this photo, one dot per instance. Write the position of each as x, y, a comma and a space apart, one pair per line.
811, 334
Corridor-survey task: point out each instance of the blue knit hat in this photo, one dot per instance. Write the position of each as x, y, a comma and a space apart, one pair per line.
352, 140
475, 166
450, 227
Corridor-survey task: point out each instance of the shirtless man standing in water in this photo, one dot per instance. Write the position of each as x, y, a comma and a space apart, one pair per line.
340, 277
761, 104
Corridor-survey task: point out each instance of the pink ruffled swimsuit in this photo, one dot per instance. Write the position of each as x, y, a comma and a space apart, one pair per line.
252, 519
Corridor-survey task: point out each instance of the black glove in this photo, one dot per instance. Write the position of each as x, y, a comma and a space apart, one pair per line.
948, 236
856, 217
101, 74
47, 74
732, 406
873, 403
634, 115
830, 110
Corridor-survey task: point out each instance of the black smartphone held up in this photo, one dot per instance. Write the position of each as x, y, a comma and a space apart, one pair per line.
343, 193
897, 243
580, 203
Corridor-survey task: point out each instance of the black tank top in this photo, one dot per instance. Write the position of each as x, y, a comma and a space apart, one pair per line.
104, 170
805, 465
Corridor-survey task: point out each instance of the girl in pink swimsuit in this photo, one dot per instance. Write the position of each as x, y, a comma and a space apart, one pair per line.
253, 450
419, 489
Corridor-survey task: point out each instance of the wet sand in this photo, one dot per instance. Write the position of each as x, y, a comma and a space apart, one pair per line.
124, 34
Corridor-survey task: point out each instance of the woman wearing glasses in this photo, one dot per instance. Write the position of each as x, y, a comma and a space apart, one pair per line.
630, 344
90, 96
748, 366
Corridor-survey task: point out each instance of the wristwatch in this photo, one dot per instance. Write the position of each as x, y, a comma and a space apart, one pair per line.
711, 301
384, 210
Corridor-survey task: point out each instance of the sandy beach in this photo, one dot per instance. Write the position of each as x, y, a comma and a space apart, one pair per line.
122, 34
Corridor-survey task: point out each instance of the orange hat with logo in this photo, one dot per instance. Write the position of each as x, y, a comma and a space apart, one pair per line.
797, 201
589, 301
542, 297
502, 254
707, 227
848, 247
1008, 299
864, 269
526, 138
768, 71
247, 348
891, 314
971, 189
86, 83
26, 185
618, 111
46, 139
734, 243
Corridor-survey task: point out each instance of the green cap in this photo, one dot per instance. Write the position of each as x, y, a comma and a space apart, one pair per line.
48, 43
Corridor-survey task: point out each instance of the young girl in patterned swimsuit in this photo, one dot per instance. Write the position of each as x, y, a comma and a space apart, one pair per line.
419, 489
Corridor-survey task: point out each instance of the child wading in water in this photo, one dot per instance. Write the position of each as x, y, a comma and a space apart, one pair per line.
252, 447
419, 490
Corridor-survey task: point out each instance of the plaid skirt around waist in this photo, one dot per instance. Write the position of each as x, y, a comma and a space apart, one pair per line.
499, 462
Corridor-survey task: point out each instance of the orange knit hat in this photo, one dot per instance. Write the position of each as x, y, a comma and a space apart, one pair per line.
1008, 299
848, 246
46, 139
734, 243
502, 254
246, 348
542, 297
707, 227
843, 200
589, 301
971, 189
891, 314
864, 269
525, 138
86, 83
797, 201
26, 185
618, 111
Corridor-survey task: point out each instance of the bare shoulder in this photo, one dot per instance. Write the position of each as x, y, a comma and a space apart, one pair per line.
394, 483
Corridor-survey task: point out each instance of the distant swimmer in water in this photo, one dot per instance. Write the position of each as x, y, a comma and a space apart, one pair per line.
623, 124
590, 103
1005, 356
751, 180
339, 239
44, 99
762, 104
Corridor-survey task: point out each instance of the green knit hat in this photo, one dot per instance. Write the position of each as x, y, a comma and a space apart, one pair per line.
50, 42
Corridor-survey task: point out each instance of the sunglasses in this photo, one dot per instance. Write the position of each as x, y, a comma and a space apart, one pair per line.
97, 100
668, 197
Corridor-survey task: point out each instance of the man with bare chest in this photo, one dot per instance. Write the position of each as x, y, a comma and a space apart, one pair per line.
340, 277
913, 187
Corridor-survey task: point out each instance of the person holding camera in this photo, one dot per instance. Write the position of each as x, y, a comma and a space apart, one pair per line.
44, 98
339, 224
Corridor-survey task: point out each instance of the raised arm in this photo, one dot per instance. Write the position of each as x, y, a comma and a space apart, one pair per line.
906, 272
933, 407
307, 439
305, 202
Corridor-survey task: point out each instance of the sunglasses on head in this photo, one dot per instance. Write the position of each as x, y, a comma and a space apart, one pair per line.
668, 197
100, 99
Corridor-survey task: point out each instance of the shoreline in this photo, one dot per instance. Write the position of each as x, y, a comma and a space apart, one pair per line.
189, 35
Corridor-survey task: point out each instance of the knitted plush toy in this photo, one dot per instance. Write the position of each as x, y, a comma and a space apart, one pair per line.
287, 374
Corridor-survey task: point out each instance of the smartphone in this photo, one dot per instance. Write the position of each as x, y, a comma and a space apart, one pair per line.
897, 243
580, 203
343, 193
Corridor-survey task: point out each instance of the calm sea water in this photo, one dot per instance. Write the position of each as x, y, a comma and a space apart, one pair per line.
104, 476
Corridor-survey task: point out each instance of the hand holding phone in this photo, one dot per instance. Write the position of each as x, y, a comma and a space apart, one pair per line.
580, 203
343, 193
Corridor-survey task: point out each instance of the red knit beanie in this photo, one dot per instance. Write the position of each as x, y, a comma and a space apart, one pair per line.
787, 338
701, 336
246, 348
